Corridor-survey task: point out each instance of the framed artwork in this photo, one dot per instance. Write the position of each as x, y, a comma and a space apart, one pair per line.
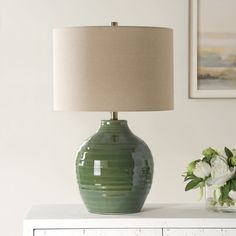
212, 49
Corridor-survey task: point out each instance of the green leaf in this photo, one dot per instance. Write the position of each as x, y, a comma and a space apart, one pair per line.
228, 152
207, 159
225, 191
233, 184
188, 177
193, 184
232, 160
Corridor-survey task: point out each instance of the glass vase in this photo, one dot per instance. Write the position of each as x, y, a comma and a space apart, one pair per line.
216, 202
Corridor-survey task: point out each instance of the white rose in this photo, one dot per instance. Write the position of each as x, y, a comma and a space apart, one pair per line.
232, 194
220, 172
202, 169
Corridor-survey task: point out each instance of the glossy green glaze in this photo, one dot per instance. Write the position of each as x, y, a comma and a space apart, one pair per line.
114, 170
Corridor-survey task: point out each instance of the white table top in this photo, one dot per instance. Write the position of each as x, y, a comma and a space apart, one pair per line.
159, 215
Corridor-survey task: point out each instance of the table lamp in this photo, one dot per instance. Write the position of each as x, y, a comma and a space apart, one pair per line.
112, 69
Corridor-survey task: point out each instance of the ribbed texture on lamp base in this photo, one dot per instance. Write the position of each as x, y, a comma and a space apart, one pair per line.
114, 170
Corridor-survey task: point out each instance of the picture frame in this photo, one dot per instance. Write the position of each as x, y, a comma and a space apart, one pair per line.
208, 78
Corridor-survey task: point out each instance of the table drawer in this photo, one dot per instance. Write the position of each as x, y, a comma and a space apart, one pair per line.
98, 232
199, 232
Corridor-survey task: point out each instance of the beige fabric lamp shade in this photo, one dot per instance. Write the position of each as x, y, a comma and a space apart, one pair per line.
105, 68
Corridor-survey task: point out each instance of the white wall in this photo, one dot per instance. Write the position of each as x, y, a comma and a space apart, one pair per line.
37, 145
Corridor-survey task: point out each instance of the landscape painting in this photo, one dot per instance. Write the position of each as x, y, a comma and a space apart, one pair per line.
212, 49
217, 61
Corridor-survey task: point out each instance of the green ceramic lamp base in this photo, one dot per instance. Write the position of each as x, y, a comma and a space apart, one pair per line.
114, 170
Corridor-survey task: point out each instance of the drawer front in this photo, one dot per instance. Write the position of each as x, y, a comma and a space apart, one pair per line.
98, 232
199, 232
58, 232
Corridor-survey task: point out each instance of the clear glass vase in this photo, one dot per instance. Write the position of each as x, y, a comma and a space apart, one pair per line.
215, 201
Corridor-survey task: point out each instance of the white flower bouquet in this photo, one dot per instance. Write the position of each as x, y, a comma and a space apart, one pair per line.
215, 172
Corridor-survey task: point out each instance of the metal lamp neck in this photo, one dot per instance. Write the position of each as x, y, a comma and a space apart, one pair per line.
114, 115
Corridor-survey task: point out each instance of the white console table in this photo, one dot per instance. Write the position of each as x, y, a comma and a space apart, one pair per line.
154, 220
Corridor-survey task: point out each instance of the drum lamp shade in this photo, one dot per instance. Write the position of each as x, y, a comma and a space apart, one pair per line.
104, 68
